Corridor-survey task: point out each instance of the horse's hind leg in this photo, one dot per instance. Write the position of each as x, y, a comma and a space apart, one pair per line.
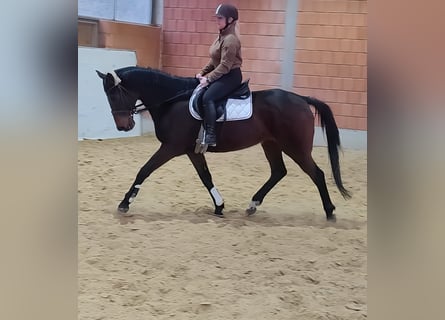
308, 165
277, 172
199, 162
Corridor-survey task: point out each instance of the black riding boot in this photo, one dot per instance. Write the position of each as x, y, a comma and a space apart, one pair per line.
210, 122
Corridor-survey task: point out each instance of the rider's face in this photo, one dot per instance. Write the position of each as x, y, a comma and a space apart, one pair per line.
220, 22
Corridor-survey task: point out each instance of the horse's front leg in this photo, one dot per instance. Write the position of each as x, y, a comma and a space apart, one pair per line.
199, 162
160, 157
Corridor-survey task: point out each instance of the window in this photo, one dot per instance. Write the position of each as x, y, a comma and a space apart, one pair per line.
133, 11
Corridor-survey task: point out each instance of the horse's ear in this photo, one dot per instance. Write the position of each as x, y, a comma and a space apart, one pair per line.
100, 74
108, 79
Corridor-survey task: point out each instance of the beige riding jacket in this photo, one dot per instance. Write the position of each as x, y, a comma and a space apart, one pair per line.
225, 55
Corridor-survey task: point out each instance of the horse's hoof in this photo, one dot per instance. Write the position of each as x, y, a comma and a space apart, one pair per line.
250, 211
123, 210
332, 218
219, 215
219, 211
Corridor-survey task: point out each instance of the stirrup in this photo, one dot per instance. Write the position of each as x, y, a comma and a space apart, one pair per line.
201, 146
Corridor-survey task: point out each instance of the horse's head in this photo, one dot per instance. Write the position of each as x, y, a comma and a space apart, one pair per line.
121, 100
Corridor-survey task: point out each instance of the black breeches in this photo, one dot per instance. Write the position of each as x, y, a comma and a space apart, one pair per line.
223, 86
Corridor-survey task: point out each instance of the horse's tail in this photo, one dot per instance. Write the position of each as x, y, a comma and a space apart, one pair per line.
328, 124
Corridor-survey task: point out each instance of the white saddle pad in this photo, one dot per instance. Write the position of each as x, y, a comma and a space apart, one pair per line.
236, 109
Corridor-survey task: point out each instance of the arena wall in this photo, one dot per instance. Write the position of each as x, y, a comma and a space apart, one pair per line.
328, 43
330, 53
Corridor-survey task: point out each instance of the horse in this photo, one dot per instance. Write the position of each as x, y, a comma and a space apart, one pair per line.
281, 121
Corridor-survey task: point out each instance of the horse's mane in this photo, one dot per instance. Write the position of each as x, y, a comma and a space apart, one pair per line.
156, 75
167, 86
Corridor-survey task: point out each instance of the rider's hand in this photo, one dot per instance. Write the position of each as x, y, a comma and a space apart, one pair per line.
203, 82
198, 76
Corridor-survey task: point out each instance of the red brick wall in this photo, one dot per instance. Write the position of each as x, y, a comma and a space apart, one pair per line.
330, 54
262, 35
189, 29
331, 57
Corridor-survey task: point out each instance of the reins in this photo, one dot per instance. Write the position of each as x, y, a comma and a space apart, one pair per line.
124, 92
182, 94
141, 107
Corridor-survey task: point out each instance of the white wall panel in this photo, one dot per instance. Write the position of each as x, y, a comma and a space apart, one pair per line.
94, 114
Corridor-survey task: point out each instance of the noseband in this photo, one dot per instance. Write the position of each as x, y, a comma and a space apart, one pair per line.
134, 110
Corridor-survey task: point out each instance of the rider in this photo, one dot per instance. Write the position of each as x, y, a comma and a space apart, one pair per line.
222, 74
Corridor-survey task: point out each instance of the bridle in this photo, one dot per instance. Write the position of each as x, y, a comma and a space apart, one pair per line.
186, 93
135, 109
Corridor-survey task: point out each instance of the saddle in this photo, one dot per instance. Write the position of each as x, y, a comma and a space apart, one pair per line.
236, 106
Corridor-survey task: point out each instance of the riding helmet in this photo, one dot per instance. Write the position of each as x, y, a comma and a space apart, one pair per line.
227, 11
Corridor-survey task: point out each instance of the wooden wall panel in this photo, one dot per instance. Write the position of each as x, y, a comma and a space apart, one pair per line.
144, 39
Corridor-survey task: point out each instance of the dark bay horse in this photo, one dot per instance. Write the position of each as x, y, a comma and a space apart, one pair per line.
282, 121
